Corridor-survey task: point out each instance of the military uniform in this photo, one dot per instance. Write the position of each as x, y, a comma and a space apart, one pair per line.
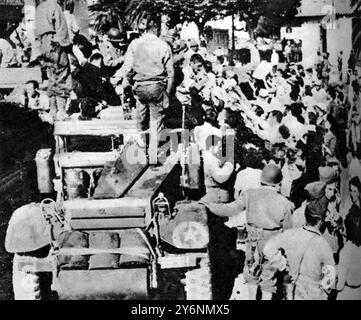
52, 31
112, 56
267, 213
307, 252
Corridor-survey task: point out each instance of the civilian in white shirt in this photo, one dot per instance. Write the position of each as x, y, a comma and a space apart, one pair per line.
209, 128
319, 93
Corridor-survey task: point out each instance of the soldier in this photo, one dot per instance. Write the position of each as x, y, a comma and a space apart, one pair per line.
267, 213
309, 257
315, 192
112, 48
151, 61
52, 31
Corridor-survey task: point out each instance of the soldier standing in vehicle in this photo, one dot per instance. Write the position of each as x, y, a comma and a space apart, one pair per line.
150, 59
267, 213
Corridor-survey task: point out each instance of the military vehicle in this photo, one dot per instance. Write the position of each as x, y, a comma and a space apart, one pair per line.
114, 229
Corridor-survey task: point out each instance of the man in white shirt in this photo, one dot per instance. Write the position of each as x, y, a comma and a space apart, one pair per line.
319, 93
216, 171
201, 133
269, 130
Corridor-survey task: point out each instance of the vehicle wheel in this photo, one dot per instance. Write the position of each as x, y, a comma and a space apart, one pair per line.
198, 285
30, 285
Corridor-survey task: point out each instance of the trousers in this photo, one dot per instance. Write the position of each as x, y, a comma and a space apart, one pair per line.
151, 104
58, 66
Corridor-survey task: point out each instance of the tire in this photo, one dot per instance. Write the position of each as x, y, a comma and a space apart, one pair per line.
26, 285
30, 285
198, 282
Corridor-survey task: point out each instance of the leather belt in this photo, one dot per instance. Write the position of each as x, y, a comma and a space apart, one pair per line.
265, 229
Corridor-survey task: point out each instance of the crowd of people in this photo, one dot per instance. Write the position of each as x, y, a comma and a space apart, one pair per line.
291, 191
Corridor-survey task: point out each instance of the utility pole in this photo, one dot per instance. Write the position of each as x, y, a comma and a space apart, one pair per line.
233, 41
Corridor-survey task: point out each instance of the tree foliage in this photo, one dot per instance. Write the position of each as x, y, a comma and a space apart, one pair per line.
274, 13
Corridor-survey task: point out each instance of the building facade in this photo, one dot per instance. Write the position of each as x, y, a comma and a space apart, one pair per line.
324, 25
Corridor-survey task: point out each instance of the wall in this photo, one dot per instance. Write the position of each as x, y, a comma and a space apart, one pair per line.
81, 14
295, 34
311, 42
309, 33
340, 39
29, 12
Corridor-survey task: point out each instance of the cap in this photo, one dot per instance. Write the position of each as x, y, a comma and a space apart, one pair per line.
316, 189
277, 105
263, 93
219, 52
95, 52
179, 46
333, 161
271, 175
327, 174
193, 43
172, 33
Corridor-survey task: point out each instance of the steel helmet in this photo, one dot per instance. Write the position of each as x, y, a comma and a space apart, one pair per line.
116, 36
27, 230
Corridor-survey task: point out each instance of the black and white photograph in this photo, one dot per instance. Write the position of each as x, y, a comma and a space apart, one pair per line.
180, 150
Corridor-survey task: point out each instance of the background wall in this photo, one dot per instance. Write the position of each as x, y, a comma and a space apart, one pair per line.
340, 39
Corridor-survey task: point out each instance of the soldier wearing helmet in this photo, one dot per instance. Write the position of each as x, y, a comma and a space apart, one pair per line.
268, 212
113, 48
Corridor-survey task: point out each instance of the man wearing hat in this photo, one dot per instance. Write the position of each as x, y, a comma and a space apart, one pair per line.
315, 192
193, 49
267, 213
112, 48
311, 267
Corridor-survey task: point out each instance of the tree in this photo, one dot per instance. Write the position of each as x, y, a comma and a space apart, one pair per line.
130, 12
275, 12
266, 17
356, 32
105, 14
